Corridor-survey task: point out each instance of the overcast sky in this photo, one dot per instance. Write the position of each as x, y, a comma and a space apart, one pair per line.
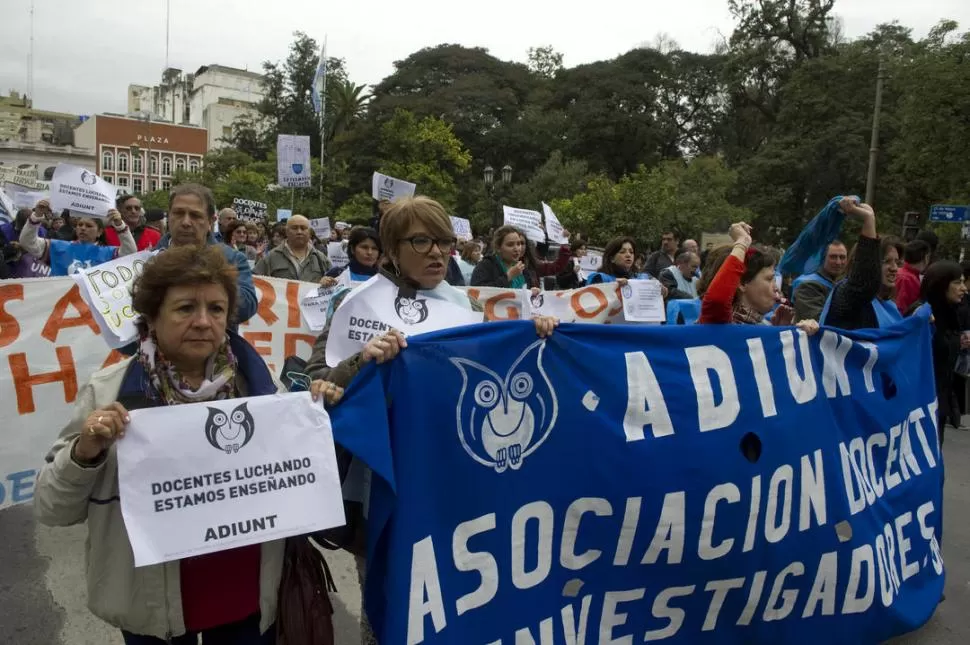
86, 53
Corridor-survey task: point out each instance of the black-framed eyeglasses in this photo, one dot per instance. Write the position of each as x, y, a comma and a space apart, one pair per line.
422, 244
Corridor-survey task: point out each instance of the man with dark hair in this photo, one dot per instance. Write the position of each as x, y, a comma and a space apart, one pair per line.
131, 211
932, 240
810, 291
660, 260
916, 257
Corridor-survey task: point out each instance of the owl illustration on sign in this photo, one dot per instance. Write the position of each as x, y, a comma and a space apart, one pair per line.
88, 178
411, 310
501, 421
229, 431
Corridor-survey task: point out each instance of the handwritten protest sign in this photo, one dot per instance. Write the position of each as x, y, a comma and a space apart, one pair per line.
293, 160
81, 191
462, 228
206, 477
385, 187
529, 222
553, 228
106, 289
248, 209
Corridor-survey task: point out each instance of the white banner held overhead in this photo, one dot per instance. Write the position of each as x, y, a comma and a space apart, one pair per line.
293, 160
206, 477
81, 191
384, 187
554, 228
321, 226
106, 289
462, 228
529, 222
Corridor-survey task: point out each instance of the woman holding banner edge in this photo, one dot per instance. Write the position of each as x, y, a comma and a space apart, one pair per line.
185, 298
66, 257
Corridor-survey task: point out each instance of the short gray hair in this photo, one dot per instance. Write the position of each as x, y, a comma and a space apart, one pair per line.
196, 190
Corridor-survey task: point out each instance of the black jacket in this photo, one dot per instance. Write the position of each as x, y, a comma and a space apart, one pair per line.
489, 273
851, 306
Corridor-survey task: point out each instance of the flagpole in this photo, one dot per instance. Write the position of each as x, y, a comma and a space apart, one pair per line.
323, 112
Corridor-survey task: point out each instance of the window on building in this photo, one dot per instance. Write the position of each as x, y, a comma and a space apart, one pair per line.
166, 184
166, 165
154, 185
194, 165
153, 165
136, 163
136, 185
122, 162
123, 182
227, 131
108, 178
107, 160
180, 164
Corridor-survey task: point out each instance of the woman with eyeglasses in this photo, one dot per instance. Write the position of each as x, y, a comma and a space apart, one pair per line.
417, 239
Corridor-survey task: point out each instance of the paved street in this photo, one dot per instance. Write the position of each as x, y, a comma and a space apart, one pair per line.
43, 598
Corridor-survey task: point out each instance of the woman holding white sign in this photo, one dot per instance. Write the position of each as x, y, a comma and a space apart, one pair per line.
185, 298
87, 251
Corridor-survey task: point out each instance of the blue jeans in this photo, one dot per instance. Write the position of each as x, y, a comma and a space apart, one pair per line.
244, 632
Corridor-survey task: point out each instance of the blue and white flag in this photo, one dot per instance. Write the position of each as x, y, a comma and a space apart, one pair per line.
626, 484
293, 160
320, 82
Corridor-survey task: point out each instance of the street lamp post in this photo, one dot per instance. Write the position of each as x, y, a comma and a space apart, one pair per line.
505, 181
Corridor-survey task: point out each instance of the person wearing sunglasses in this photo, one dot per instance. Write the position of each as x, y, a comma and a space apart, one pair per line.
134, 216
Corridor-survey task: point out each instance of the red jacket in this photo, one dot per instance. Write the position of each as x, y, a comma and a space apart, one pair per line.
146, 237
907, 287
717, 307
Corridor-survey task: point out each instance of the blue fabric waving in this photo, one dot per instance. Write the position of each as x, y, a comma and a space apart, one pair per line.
807, 254
689, 310
69, 257
530, 495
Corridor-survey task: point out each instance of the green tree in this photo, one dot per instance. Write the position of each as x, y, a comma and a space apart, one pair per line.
545, 61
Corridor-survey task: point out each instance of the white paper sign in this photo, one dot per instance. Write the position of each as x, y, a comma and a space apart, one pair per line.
337, 253
283, 214
314, 304
249, 209
321, 226
81, 191
462, 227
384, 187
106, 289
546, 303
591, 261
293, 160
553, 228
529, 222
29, 198
341, 226
376, 307
643, 301
206, 477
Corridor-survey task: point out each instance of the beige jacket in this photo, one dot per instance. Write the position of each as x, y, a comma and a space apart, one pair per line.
147, 600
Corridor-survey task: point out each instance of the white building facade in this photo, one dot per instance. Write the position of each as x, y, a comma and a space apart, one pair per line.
212, 98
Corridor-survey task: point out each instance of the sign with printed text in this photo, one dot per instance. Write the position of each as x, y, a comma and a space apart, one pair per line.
249, 210
206, 477
643, 301
293, 160
376, 307
51, 343
554, 229
106, 289
529, 222
321, 226
592, 261
385, 187
314, 304
809, 509
462, 228
337, 252
21, 178
81, 191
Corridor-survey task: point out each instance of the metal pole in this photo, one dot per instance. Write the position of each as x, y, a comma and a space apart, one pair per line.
292, 198
323, 112
874, 143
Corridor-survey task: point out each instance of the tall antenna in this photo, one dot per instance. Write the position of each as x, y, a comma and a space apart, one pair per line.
168, 13
30, 57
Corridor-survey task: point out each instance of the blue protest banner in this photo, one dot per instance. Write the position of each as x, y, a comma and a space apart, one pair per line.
737, 484
943, 213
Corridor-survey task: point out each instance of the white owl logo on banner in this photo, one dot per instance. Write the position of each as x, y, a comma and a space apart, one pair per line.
503, 421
